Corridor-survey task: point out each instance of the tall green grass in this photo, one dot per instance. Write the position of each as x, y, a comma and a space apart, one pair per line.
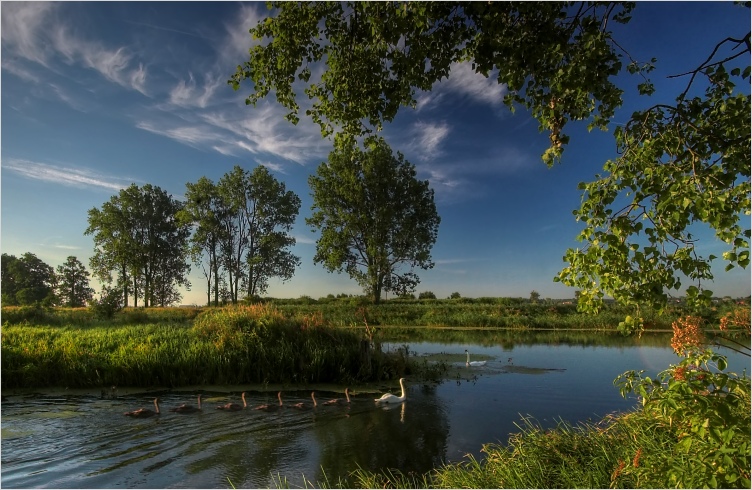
234, 345
456, 313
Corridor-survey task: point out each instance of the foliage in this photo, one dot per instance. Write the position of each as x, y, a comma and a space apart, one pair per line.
374, 215
680, 166
202, 210
248, 218
73, 288
27, 280
534, 296
555, 59
426, 295
706, 411
110, 302
137, 236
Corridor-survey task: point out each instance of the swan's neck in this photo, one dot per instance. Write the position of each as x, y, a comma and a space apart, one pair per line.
468, 358
313, 398
279, 397
156, 405
402, 385
347, 395
199, 402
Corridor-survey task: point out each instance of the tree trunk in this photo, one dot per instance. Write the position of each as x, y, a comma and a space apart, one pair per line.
125, 286
216, 273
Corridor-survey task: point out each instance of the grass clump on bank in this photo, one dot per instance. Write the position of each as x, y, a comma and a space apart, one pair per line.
233, 345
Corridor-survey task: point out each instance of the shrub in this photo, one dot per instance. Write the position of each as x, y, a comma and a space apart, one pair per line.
110, 302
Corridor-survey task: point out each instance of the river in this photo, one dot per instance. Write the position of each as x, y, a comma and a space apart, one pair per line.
61, 440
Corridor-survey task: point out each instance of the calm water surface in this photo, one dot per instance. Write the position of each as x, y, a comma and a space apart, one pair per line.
86, 442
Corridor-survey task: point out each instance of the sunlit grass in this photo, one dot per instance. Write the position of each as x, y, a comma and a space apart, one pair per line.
251, 344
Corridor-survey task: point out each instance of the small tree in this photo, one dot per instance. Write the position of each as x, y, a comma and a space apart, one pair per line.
73, 283
427, 295
534, 296
455, 295
374, 216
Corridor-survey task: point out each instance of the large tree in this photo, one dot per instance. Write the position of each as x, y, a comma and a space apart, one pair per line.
73, 288
27, 280
680, 164
374, 215
203, 210
138, 237
244, 222
270, 213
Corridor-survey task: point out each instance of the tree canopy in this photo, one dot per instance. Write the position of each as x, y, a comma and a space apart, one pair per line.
679, 165
137, 237
374, 215
555, 58
241, 227
73, 288
27, 280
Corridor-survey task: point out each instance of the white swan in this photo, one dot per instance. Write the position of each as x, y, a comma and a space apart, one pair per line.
473, 363
389, 398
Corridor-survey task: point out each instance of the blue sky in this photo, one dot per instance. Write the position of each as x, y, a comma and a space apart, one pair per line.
98, 95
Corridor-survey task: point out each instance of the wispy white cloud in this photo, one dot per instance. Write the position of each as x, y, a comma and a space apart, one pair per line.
63, 95
138, 79
427, 139
274, 167
22, 24
465, 81
34, 31
113, 64
191, 135
67, 176
19, 71
447, 186
238, 40
426, 100
456, 261
265, 130
305, 240
188, 94
66, 247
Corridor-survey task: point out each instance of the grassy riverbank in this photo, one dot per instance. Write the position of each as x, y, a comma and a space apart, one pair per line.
506, 313
290, 341
236, 345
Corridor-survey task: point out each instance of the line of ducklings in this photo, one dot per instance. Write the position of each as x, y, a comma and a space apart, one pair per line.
234, 407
